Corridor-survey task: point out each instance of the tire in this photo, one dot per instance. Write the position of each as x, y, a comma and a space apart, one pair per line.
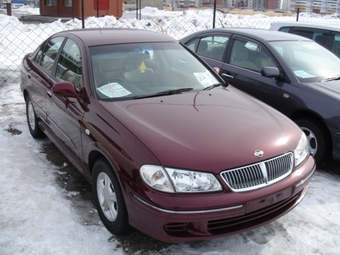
317, 139
32, 120
108, 198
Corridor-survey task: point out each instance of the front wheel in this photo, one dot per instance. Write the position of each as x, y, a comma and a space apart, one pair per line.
108, 198
32, 120
317, 139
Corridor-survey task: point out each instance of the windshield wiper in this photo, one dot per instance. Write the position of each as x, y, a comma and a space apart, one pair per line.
165, 93
335, 78
213, 86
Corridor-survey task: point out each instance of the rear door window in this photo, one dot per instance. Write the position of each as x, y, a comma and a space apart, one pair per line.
47, 54
285, 29
213, 46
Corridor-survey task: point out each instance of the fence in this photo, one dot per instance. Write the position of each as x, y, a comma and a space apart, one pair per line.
18, 39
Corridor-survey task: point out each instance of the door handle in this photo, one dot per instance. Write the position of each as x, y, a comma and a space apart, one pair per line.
229, 76
29, 76
49, 93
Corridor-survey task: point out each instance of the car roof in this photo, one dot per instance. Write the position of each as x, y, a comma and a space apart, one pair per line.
259, 34
101, 36
278, 25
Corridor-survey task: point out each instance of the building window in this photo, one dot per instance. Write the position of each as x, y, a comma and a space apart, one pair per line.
68, 3
50, 2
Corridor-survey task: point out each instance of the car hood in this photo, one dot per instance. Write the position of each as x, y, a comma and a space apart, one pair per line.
207, 130
331, 88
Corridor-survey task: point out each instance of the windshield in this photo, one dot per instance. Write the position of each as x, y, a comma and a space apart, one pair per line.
309, 61
134, 71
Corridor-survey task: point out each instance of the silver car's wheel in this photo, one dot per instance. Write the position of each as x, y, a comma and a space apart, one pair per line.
107, 196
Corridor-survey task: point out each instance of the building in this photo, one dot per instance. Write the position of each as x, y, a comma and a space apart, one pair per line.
73, 8
318, 6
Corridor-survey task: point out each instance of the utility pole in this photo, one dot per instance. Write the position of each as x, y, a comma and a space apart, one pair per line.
82, 14
214, 14
8, 7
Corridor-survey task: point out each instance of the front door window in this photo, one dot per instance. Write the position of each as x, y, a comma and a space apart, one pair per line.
69, 67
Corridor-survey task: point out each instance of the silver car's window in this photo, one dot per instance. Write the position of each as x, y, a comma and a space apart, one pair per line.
318, 35
309, 61
336, 45
136, 70
47, 54
284, 29
69, 67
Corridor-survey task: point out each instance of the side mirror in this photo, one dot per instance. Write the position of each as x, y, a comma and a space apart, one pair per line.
64, 89
270, 71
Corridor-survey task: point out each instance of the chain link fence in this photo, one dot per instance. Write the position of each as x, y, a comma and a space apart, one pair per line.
18, 39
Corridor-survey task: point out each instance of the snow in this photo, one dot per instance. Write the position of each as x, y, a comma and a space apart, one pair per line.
37, 217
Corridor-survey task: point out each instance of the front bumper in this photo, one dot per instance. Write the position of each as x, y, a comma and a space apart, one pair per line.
181, 225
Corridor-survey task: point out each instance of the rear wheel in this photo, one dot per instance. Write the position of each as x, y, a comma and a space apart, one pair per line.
108, 198
32, 120
317, 139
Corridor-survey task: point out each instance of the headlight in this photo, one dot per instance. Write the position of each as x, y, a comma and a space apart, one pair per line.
156, 178
301, 151
178, 181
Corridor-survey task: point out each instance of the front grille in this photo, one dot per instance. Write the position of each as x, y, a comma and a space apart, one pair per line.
260, 174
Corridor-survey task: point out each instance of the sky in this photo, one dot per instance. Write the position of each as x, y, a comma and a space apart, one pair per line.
37, 216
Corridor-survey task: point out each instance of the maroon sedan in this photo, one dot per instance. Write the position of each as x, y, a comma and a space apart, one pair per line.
167, 145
